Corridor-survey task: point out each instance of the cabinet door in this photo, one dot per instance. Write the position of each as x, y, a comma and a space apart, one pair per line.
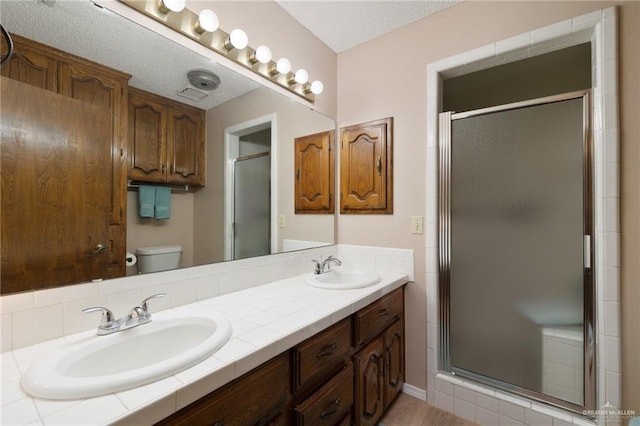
257, 398
394, 361
101, 87
369, 386
366, 174
30, 64
96, 87
147, 138
185, 145
314, 168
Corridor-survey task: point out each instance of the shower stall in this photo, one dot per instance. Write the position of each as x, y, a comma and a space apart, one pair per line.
515, 220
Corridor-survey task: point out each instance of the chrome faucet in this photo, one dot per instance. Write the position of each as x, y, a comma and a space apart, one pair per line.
137, 316
324, 266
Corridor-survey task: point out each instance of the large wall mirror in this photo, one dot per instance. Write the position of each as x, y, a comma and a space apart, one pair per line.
250, 135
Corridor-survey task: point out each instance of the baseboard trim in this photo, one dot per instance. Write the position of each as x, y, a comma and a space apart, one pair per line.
414, 391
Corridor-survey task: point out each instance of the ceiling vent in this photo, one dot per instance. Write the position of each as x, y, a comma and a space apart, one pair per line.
203, 79
192, 93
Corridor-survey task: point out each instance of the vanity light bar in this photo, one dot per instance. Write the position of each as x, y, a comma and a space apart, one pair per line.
233, 46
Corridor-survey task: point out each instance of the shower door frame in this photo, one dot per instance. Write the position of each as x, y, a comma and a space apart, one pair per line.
444, 251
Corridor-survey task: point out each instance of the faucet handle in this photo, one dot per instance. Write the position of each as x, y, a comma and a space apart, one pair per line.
317, 268
145, 307
107, 320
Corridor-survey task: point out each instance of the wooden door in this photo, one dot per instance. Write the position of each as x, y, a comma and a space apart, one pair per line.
48, 230
100, 86
147, 137
185, 145
366, 174
314, 168
369, 385
394, 361
30, 64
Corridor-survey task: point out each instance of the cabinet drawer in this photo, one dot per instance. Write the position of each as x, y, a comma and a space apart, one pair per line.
256, 398
373, 319
322, 354
329, 404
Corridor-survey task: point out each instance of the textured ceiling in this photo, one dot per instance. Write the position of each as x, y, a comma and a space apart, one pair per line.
160, 66
342, 24
156, 64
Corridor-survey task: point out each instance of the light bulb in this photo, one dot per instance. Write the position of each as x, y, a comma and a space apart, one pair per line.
283, 66
317, 87
207, 21
302, 76
170, 5
263, 54
237, 39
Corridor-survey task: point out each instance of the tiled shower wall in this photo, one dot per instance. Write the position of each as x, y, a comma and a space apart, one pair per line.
33, 317
484, 404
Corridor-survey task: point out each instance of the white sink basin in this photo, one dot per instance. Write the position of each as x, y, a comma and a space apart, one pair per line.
341, 278
104, 364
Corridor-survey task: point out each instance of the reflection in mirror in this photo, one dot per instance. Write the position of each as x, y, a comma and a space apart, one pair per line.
247, 129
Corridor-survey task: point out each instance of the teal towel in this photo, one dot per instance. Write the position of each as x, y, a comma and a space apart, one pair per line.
163, 202
147, 200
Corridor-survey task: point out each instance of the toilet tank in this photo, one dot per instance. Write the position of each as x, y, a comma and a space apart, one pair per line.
156, 259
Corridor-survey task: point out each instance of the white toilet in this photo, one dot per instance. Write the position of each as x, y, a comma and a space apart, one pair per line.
160, 258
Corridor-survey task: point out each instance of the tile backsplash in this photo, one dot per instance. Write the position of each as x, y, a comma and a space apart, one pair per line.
33, 317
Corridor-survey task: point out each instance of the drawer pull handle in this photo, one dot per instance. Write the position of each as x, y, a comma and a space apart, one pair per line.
384, 312
327, 351
219, 423
331, 410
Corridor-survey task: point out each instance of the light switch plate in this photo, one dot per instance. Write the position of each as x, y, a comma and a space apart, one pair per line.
416, 224
281, 222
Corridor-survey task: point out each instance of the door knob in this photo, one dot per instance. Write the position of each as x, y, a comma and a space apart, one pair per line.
99, 249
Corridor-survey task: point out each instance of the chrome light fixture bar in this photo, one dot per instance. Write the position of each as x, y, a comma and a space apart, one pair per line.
204, 29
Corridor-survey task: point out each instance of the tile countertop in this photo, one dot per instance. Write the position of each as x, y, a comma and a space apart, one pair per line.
267, 320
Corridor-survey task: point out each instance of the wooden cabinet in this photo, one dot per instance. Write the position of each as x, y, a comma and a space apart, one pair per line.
147, 137
257, 398
314, 168
320, 381
369, 383
73, 157
166, 140
394, 361
107, 89
31, 64
366, 167
185, 145
379, 365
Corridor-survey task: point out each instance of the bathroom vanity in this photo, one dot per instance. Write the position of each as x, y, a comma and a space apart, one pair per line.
298, 355
346, 374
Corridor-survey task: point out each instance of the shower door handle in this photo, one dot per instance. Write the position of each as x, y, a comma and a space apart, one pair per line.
587, 251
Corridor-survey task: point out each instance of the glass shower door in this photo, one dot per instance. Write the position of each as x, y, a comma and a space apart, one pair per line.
252, 206
515, 223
